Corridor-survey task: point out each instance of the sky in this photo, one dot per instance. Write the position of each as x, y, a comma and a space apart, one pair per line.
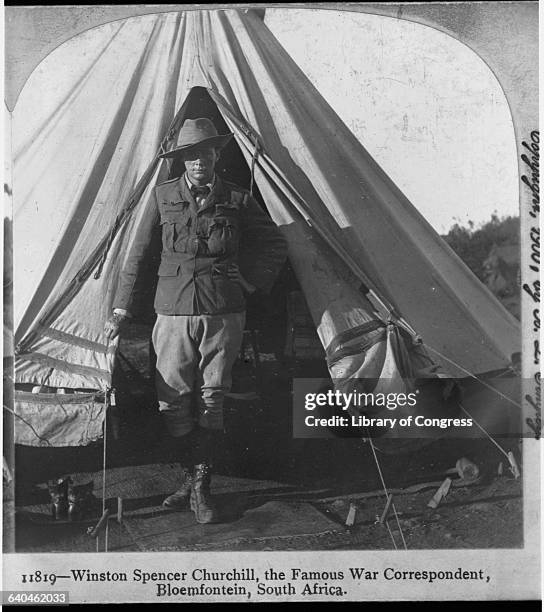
425, 106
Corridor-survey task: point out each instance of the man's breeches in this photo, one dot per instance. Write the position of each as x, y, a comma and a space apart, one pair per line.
195, 355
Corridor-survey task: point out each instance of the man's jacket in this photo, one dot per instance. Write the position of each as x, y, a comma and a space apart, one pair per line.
198, 244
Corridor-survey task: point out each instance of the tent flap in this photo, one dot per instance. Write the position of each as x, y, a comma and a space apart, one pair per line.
48, 419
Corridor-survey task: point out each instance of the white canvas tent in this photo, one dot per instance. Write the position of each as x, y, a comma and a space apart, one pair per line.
83, 170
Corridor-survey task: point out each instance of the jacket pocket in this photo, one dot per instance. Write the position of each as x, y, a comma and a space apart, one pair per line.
168, 268
175, 231
223, 236
167, 295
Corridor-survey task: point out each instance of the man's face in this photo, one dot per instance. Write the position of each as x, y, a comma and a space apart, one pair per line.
200, 164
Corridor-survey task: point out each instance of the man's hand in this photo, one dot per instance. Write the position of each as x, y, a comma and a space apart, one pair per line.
235, 275
115, 325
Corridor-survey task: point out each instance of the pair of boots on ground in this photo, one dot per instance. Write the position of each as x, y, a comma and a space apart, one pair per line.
194, 452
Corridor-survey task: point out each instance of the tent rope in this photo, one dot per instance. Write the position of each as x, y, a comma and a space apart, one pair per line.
253, 161
387, 494
391, 534
104, 464
107, 246
484, 431
471, 375
399, 526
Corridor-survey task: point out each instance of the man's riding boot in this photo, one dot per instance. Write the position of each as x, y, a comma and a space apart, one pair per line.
180, 499
202, 503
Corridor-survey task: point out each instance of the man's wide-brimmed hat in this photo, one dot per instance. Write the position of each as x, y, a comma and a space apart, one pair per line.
197, 132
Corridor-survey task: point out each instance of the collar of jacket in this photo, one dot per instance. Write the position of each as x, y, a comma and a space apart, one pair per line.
211, 184
217, 189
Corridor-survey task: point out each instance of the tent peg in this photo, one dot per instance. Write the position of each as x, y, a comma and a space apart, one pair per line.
513, 465
350, 520
441, 492
94, 531
385, 512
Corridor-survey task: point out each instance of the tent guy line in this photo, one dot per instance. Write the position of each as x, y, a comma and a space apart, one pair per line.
387, 496
475, 377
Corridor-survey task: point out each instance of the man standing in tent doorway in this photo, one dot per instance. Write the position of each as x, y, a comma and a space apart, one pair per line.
217, 246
